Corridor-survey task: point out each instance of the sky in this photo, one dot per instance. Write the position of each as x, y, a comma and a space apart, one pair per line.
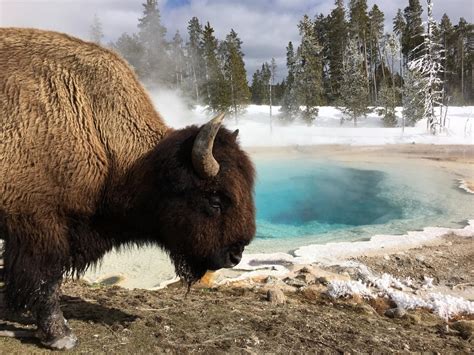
264, 26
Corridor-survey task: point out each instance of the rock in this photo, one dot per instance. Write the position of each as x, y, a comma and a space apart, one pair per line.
322, 280
307, 278
305, 270
420, 258
386, 257
294, 282
272, 280
276, 296
464, 327
396, 312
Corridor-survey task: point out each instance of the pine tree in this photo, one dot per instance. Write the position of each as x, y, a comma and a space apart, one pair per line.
308, 70
354, 93
388, 99
399, 27
413, 97
391, 50
96, 32
178, 55
428, 64
235, 73
130, 48
412, 36
464, 57
265, 76
376, 26
279, 91
271, 85
257, 88
195, 58
447, 39
358, 27
156, 65
215, 86
321, 31
337, 39
290, 106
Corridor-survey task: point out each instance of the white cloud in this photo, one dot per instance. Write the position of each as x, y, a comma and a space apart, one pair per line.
265, 26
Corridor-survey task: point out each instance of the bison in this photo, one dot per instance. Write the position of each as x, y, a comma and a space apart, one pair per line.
88, 165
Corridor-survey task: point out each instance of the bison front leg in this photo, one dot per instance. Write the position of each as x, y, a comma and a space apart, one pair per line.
34, 265
53, 329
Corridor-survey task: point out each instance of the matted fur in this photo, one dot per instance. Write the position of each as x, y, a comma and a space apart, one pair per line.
87, 164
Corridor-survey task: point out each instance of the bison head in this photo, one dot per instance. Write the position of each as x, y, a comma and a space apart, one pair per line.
201, 198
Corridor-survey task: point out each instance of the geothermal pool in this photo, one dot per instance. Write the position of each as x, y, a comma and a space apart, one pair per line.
304, 201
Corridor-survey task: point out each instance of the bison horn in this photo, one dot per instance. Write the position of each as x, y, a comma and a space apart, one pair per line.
203, 160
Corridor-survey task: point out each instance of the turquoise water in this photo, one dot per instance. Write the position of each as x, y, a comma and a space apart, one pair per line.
301, 201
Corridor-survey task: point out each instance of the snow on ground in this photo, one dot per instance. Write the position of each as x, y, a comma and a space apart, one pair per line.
333, 253
327, 129
254, 126
368, 285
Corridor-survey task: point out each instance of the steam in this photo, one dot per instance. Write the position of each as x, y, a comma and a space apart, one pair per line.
257, 129
174, 109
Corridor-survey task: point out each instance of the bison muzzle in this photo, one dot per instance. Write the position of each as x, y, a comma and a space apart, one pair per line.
87, 165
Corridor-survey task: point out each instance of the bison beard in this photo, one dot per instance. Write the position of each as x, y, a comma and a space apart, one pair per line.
88, 165
189, 272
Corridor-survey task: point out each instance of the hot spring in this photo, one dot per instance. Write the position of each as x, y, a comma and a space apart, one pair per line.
308, 201
303, 200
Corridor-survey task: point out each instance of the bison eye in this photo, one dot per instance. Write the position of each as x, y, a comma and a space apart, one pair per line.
215, 203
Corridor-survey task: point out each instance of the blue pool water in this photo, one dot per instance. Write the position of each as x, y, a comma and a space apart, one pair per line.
302, 201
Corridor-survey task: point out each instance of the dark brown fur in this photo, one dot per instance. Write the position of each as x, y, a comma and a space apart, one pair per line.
87, 164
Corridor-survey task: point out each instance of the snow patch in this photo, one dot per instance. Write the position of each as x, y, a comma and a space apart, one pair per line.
342, 289
255, 131
370, 286
463, 185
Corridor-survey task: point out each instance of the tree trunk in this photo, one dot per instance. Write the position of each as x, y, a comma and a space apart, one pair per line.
196, 87
381, 61
366, 65
234, 104
374, 73
462, 69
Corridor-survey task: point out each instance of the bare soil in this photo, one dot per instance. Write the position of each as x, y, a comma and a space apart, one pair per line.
242, 320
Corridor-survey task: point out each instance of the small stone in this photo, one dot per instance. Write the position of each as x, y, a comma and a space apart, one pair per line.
271, 280
306, 278
294, 282
276, 296
464, 327
420, 258
396, 312
322, 280
304, 270
386, 257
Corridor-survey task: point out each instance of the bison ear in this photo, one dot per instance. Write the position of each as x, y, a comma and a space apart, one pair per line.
235, 134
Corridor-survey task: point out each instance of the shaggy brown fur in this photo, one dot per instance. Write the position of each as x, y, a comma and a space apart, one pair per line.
87, 164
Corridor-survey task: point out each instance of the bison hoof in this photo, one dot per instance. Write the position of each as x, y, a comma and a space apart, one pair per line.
66, 342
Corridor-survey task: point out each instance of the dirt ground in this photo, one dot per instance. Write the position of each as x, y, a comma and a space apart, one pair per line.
242, 320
